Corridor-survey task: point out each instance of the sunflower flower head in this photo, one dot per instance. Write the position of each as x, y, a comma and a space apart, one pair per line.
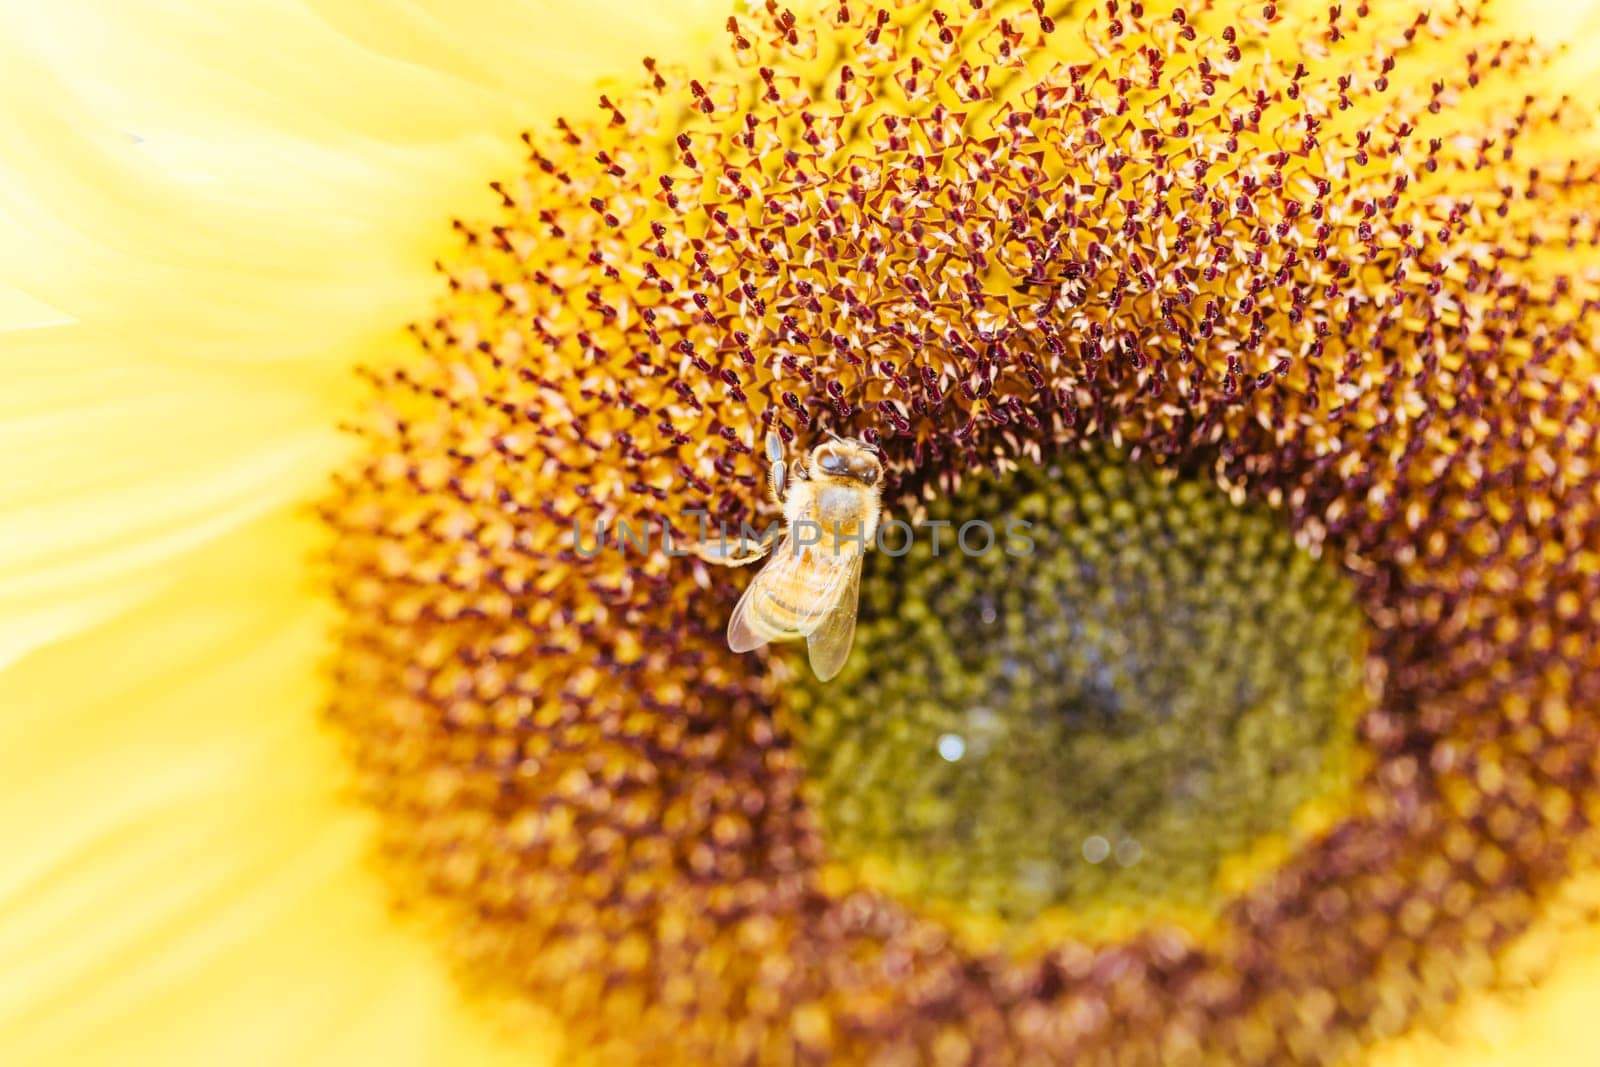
1277, 321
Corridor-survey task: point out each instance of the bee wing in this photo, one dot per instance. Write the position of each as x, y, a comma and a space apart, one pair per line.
829, 644
743, 634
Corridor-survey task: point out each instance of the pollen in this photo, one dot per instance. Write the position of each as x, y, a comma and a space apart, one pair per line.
1335, 266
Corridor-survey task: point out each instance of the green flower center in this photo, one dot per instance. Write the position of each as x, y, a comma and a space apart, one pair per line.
1113, 721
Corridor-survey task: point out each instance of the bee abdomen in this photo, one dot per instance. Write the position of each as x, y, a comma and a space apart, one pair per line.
794, 607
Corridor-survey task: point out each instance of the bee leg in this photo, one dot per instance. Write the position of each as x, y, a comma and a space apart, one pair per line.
776, 472
732, 553
776, 483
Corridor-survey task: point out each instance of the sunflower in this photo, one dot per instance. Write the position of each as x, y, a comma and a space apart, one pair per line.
1273, 324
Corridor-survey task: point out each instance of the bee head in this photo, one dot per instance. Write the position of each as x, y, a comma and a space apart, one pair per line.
847, 460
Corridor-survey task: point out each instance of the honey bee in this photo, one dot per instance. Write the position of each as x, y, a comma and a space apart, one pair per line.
812, 579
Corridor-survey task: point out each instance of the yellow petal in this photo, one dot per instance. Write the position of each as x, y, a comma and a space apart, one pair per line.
19, 311
221, 215
181, 882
